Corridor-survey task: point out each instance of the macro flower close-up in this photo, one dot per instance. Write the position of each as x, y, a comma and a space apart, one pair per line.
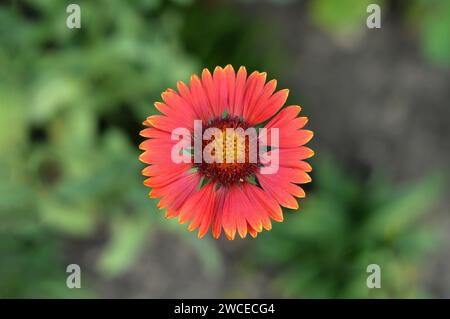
224, 157
256, 146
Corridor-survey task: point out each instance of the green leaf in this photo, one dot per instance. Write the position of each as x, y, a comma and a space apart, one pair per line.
67, 217
396, 215
340, 16
128, 235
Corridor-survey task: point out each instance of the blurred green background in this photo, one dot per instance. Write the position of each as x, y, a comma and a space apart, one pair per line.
71, 106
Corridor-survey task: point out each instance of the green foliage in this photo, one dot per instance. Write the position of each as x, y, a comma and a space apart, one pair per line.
231, 38
29, 268
340, 17
71, 107
433, 19
345, 225
345, 18
72, 104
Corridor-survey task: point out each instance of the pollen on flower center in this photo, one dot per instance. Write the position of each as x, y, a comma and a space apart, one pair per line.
197, 137
231, 150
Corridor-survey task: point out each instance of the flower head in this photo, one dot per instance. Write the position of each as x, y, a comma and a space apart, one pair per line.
211, 161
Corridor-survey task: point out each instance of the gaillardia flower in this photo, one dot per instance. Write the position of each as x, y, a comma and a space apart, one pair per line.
224, 154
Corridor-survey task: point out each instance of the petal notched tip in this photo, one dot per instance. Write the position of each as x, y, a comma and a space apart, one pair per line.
141, 158
143, 132
218, 69
206, 73
308, 179
151, 120
242, 69
295, 108
229, 68
292, 206
308, 135
230, 233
